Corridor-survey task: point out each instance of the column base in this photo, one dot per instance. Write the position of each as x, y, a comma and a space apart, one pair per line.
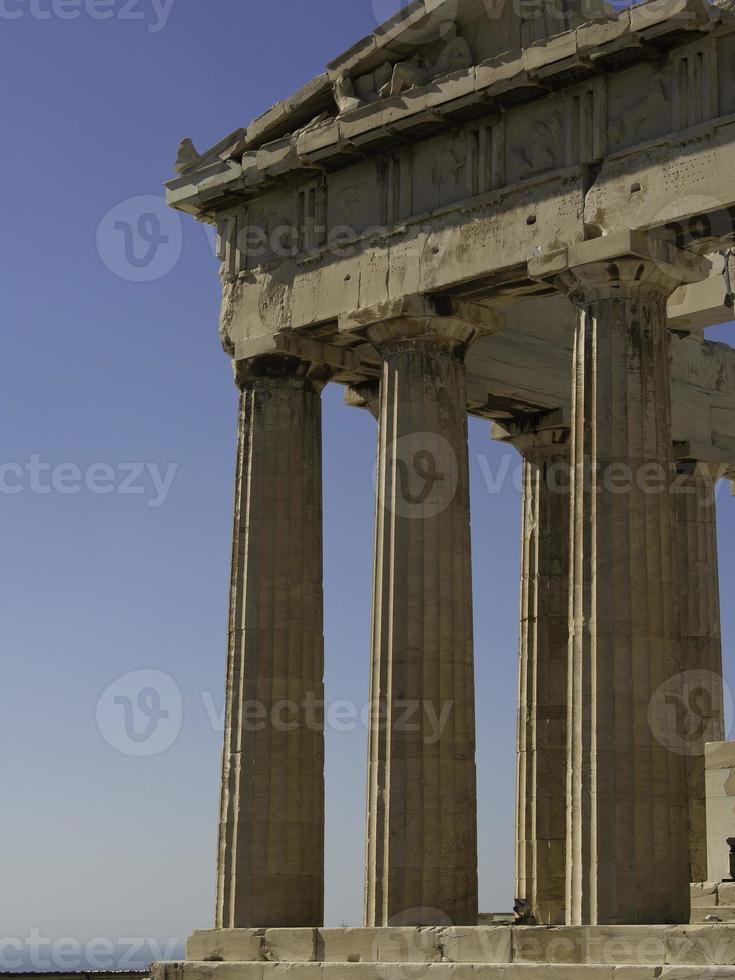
459, 953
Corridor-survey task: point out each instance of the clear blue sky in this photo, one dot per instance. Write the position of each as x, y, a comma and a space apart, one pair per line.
97, 369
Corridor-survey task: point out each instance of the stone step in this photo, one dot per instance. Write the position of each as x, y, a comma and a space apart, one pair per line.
713, 913
496, 946
433, 971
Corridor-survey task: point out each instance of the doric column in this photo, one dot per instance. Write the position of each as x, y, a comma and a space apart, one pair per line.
541, 832
702, 716
422, 823
628, 820
271, 849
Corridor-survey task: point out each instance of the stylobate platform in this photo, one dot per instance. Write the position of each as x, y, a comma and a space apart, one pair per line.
459, 953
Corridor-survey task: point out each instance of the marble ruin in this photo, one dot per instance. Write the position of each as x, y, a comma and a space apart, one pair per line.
523, 211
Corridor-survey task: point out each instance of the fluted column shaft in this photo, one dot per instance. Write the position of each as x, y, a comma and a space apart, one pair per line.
702, 710
271, 848
422, 823
542, 712
628, 837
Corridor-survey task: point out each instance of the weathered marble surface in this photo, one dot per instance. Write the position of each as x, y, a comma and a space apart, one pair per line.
271, 844
422, 795
650, 947
543, 441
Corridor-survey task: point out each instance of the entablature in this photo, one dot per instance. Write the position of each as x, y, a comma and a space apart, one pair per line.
463, 211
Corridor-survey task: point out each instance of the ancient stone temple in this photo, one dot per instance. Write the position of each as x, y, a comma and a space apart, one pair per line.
523, 212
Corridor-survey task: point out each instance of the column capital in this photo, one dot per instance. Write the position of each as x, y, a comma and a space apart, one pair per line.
624, 264
291, 353
280, 369
422, 318
537, 435
365, 395
421, 333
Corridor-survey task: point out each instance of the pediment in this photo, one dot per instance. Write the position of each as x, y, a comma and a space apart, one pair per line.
483, 29
490, 27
